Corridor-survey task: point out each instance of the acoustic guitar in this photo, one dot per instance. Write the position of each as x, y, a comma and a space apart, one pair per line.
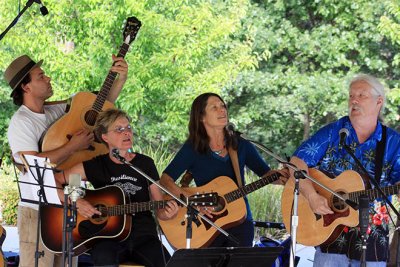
230, 211
114, 223
3, 262
84, 109
313, 229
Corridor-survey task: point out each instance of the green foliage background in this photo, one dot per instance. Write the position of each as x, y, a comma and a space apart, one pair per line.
282, 66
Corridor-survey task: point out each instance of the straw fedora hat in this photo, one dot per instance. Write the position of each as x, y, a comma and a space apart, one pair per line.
18, 69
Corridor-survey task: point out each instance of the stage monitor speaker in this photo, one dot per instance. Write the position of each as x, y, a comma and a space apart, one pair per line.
225, 257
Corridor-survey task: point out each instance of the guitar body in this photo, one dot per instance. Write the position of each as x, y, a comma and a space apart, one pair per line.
3, 262
87, 231
226, 215
79, 117
314, 230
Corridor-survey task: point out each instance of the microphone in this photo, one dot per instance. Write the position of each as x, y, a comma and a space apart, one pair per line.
363, 213
43, 9
230, 128
343, 133
74, 187
115, 153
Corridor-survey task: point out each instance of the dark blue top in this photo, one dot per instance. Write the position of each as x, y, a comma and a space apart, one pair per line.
206, 167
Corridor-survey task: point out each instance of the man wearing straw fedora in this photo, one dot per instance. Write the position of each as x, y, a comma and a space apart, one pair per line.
31, 87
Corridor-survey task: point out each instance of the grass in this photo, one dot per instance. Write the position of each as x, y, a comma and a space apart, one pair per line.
265, 204
9, 195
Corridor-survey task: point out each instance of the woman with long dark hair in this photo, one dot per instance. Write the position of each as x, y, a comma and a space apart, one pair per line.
208, 154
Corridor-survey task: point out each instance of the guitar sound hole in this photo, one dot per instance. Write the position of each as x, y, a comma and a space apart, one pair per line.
220, 206
90, 117
338, 204
98, 219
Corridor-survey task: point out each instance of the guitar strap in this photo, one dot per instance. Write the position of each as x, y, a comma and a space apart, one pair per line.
235, 163
380, 151
186, 179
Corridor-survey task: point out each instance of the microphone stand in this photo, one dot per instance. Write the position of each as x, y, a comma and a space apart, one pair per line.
383, 195
69, 223
116, 154
28, 4
297, 174
397, 229
42, 197
364, 222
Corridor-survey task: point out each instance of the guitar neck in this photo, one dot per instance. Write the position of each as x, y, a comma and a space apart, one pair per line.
374, 193
108, 82
247, 189
132, 208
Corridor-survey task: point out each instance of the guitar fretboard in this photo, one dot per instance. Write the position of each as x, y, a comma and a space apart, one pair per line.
109, 81
242, 191
132, 208
374, 193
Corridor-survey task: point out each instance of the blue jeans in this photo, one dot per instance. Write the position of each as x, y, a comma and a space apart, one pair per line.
340, 260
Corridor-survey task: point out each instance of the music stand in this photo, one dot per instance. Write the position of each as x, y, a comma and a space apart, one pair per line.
38, 177
37, 186
225, 257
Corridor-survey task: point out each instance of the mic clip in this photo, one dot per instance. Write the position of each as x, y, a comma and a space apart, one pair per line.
299, 174
352, 204
115, 153
343, 134
76, 193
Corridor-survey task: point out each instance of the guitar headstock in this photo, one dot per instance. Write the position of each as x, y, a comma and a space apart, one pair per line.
131, 29
204, 199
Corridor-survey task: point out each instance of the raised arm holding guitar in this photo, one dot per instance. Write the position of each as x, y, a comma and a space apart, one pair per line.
31, 87
34, 90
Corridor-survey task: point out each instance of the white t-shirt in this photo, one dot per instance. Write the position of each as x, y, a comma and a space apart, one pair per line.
24, 132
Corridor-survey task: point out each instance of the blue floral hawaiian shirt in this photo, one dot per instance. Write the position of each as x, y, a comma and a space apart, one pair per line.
322, 151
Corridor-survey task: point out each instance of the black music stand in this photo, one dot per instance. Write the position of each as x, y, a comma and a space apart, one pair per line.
38, 179
225, 257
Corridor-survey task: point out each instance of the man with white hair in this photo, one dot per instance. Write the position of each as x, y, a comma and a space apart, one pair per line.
324, 152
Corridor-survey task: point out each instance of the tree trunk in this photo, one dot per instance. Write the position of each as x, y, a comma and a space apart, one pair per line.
306, 126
